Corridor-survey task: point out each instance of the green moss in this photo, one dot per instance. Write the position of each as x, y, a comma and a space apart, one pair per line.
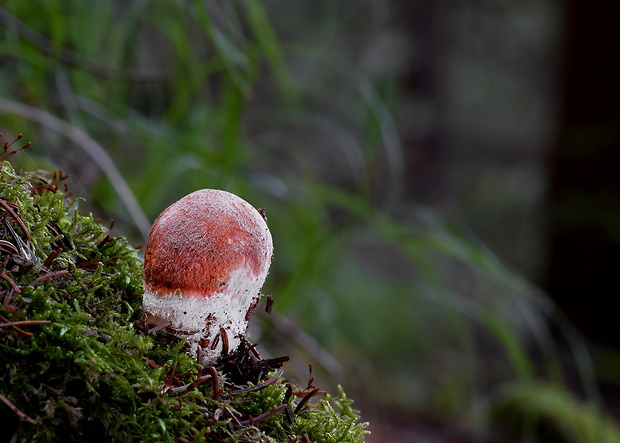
76, 362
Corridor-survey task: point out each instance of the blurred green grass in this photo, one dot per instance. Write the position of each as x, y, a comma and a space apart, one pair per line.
181, 95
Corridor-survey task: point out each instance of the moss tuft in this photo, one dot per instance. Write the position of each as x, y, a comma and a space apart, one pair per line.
76, 362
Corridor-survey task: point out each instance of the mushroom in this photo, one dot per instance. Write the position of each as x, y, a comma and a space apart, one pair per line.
206, 259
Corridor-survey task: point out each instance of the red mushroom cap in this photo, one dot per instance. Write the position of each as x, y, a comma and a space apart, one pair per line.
198, 243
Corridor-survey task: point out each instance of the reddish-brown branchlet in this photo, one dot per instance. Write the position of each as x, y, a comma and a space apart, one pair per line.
205, 262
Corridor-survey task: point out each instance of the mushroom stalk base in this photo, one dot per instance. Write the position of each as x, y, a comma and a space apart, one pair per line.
212, 325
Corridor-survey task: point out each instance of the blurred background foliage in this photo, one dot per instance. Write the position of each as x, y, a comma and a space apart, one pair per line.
394, 145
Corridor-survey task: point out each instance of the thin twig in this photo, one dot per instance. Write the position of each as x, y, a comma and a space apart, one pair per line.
224, 336
150, 362
264, 384
216, 383
12, 213
17, 412
159, 327
48, 276
269, 304
287, 396
8, 247
15, 328
235, 420
14, 286
24, 323
51, 257
90, 147
262, 417
305, 400
191, 385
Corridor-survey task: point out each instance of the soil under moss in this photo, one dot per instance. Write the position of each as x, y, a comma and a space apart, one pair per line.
78, 363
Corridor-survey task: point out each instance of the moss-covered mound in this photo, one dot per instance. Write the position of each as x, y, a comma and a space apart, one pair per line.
77, 363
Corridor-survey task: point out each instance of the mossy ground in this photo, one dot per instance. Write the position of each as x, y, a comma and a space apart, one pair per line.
77, 363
